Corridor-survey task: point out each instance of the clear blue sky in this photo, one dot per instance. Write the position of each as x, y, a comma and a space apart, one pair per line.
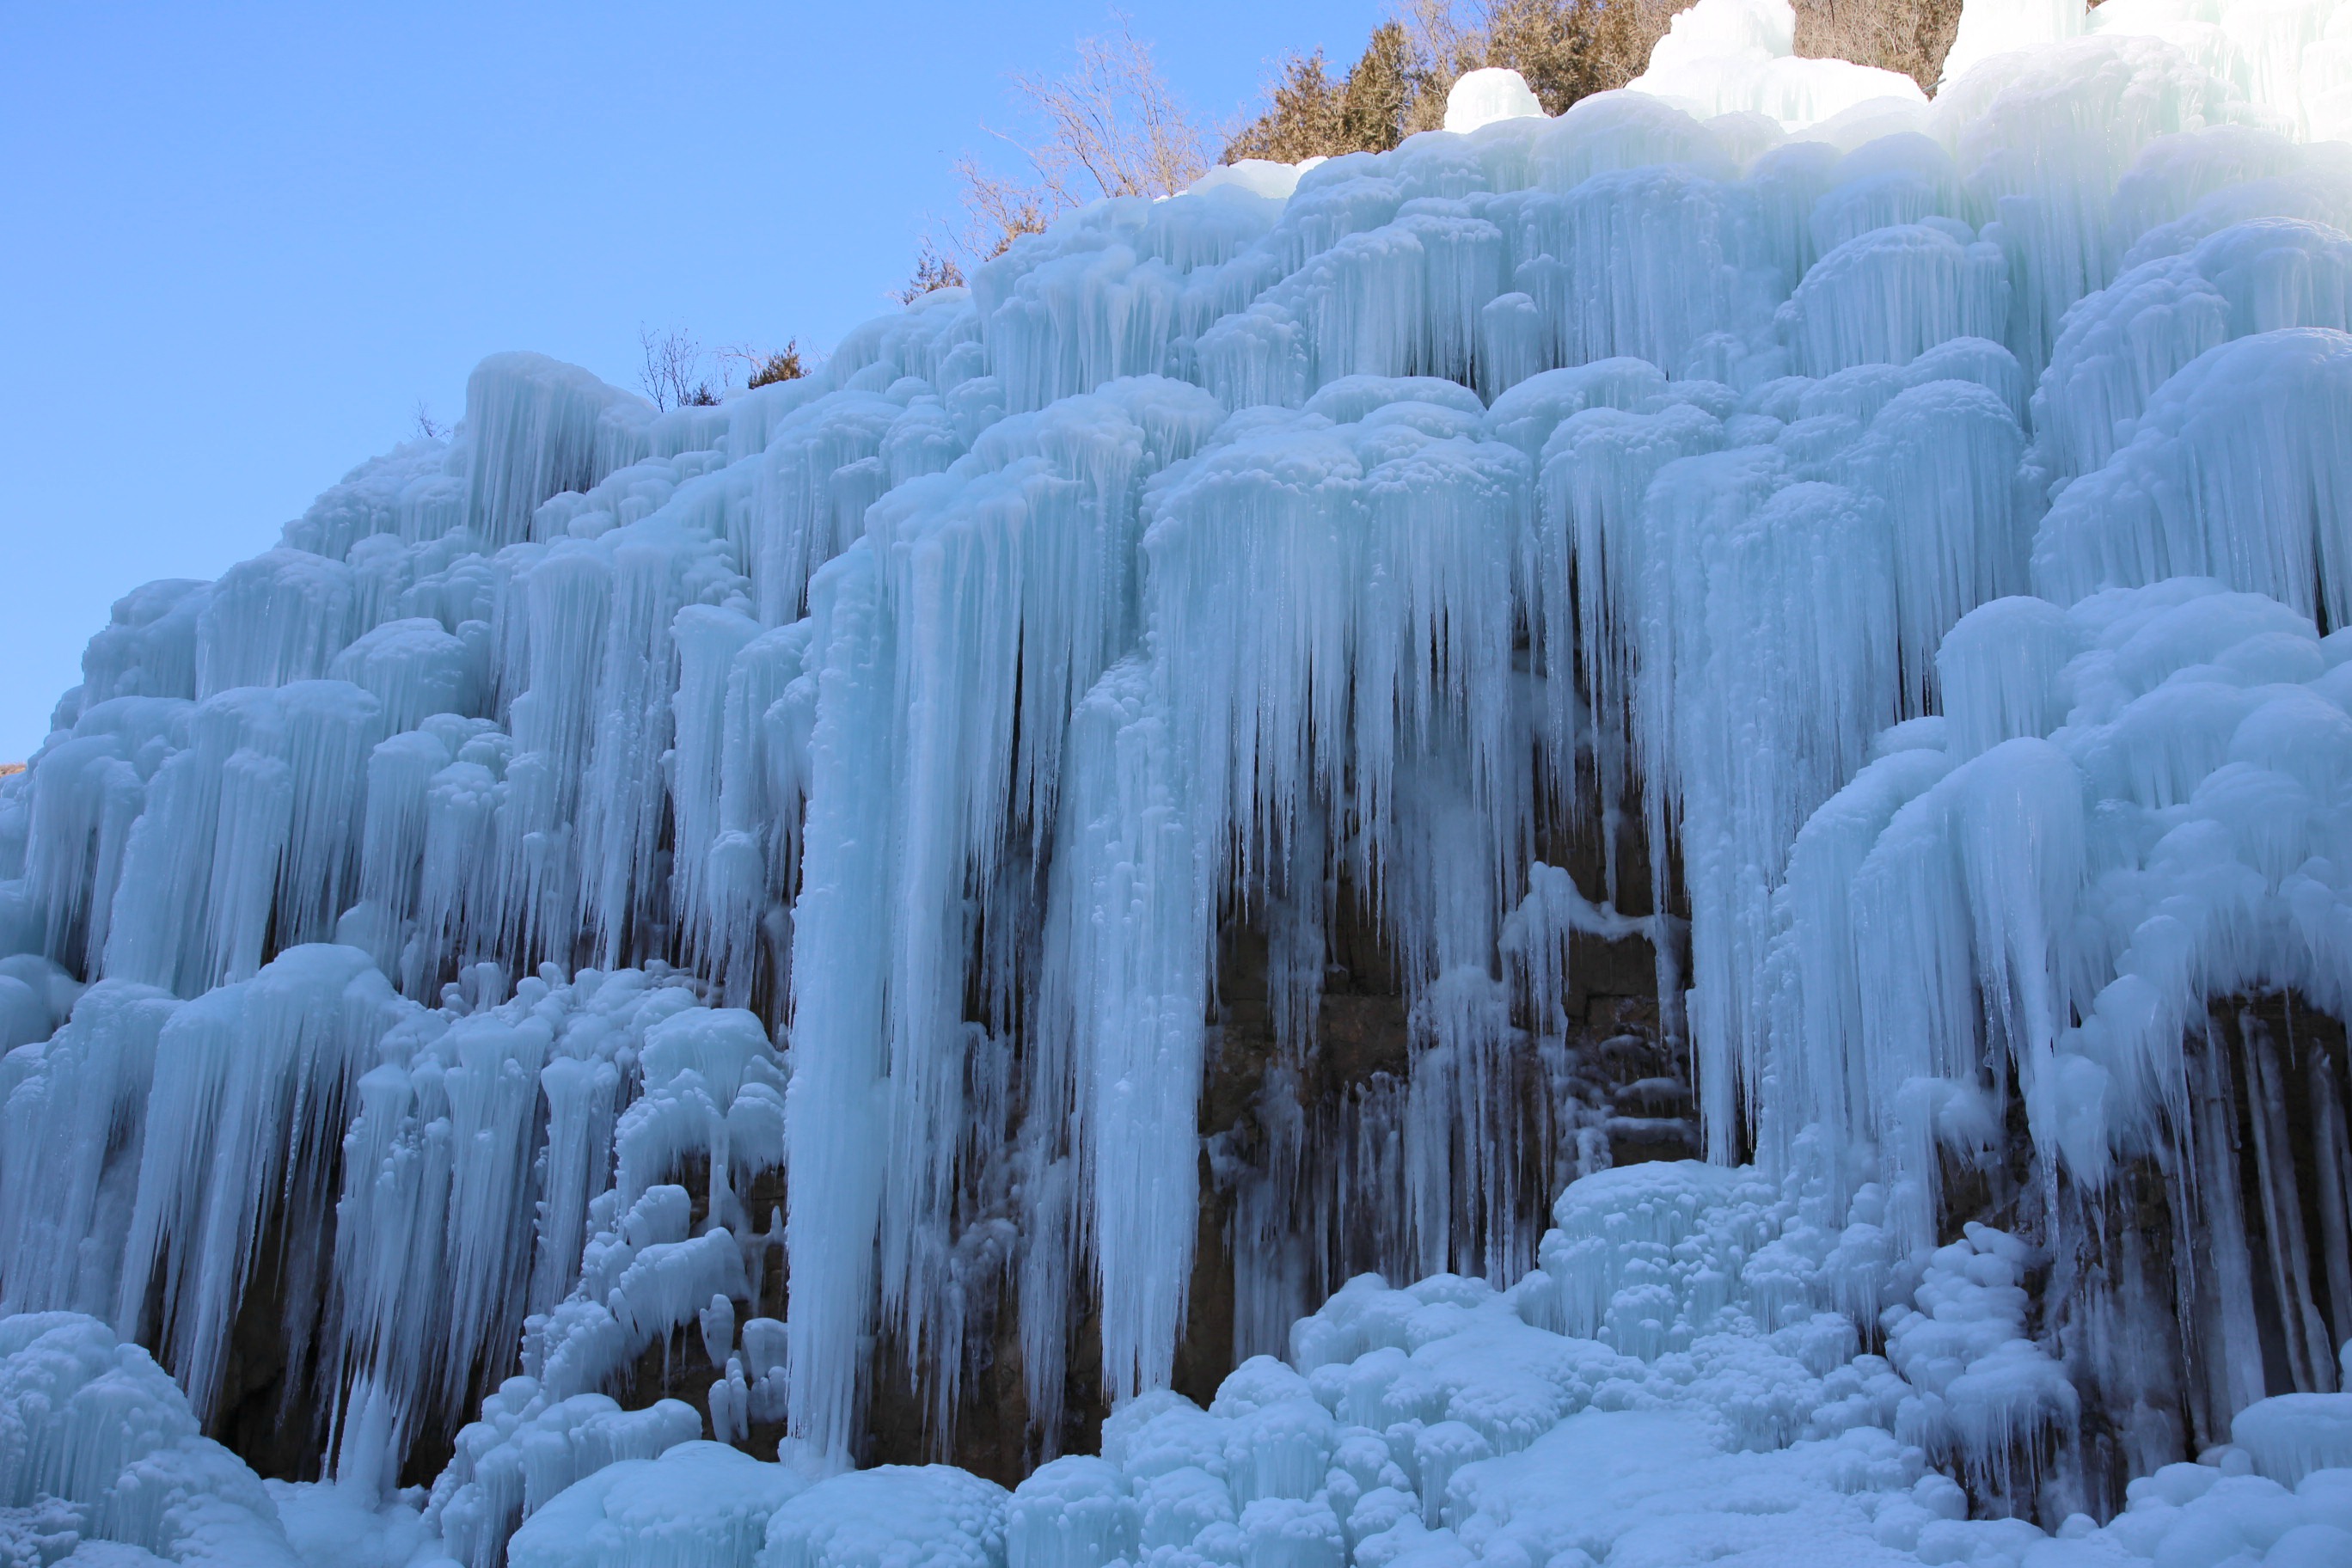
238, 243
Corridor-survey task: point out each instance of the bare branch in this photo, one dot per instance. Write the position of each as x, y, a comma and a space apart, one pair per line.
668, 375
1001, 211
1112, 128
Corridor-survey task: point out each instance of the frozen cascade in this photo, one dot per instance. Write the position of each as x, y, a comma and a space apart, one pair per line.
1220, 768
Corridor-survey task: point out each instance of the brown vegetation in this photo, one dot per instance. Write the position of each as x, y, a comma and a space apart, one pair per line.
1110, 127
672, 373
1311, 116
783, 365
1565, 48
1907, 35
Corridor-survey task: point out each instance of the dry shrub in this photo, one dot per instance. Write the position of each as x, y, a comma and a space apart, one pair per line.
1110, 127
1907, 35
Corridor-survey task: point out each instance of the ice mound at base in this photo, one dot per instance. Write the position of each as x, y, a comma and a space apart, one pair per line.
1672, 1386
698, 1502
895, 1516
2291, 1436
101, 1463
2218, 1513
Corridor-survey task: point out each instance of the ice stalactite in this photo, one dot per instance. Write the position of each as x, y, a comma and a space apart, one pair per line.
834, 1119
2156, 703
2231, 462
251, 1081
498, 1124
91, 1082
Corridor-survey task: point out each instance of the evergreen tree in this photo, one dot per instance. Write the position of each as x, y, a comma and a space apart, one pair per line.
1371, 115
1304, 121
1567, 50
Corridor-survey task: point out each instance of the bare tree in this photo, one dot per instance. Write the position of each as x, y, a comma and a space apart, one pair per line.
1446, 43
1117, 130
671, 358
428, 427
1111, 128
999, 211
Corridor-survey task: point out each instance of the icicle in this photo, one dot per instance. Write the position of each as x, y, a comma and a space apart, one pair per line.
834, 1114
2306, 1332
536, 426
2234, 445
1888, 295
278, 618
73, 1124
250, 1084
708, 640
1129, 949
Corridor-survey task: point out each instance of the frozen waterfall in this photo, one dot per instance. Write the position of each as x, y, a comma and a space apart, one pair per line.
1142, 862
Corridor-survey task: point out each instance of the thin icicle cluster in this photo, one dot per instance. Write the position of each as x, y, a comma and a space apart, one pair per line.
2130, 807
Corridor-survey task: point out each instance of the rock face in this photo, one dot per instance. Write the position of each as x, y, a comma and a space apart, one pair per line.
1287, 1136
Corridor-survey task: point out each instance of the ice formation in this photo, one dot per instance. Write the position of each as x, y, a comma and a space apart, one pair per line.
98, 1443
768, 889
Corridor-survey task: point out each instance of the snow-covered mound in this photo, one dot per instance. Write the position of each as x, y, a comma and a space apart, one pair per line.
98, 1445
632, 940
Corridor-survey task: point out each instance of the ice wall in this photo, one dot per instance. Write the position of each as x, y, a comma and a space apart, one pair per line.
759, 872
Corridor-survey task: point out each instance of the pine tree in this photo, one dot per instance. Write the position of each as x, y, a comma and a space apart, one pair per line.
1312, 116
1372, 116
1304, 121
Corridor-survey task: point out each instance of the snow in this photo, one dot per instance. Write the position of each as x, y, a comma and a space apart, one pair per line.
698, 1502
1259, 177
1920, 526
1480, 98
896, 1516
1730, 57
